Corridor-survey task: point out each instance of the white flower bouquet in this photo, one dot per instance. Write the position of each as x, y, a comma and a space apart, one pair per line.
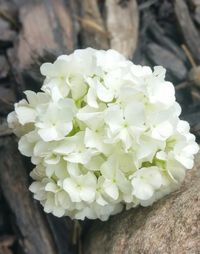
103, 134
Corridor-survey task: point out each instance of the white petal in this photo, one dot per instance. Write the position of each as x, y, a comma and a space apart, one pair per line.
47, 69
58, 212
35, 187
52, 159
100, 200
82, 157
141, 190
91, 98
134, 113
187, 162
25, 147
111, 189
176, 173
162, 131
87, 194
52, 187
114, 117
26, 114
67, 146
95, 140
63, 129
48, 134
71, 188
191, 148
104, 94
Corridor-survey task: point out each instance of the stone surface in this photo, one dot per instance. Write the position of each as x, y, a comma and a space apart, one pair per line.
170, 226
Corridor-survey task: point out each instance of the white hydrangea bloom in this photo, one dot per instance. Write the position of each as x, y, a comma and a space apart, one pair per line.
103, 134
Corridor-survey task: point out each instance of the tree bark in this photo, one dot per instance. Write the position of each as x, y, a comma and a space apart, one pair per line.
170, 226
34, 233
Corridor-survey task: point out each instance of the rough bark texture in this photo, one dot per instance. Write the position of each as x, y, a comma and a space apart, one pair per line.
122, 21
34, 231
170, 226
188, 29
47, 25
93, 33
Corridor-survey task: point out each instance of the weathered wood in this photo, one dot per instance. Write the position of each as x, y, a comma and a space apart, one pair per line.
46, 25
4, 67
7, 99
7, 240
122, 20
188, 29
195, 3
34, 237
170, 226
197, 15
62, 229
194, 76
93, 32
159, 35
164, 57
7, 34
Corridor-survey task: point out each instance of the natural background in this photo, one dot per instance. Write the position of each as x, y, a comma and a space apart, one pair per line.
149, 32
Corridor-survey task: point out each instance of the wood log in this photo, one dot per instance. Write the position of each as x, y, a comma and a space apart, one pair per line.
93, 32
166, 58
4, 67
122, 20
6, 242
7, 99
170, 226
188, 29
46, 26
34, 234
7, 34
62, 229
158, 34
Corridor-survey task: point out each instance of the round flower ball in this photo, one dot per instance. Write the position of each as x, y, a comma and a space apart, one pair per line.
104, 134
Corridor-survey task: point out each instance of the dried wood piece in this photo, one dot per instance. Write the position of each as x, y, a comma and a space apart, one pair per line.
159, 35
146, 4
46, 25
164, 57
192, 118
195, 95
170, 226
194, 76
9, 11
4, 213
197, 15
188, 29
62, 229
7, 98
93, 33
7, 240
195, 3
4, 67
7, 34
34, 236
5, 250
4, 131
122, 23
196, 130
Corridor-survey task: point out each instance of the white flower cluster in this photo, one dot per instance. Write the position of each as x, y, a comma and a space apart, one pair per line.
103, 134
